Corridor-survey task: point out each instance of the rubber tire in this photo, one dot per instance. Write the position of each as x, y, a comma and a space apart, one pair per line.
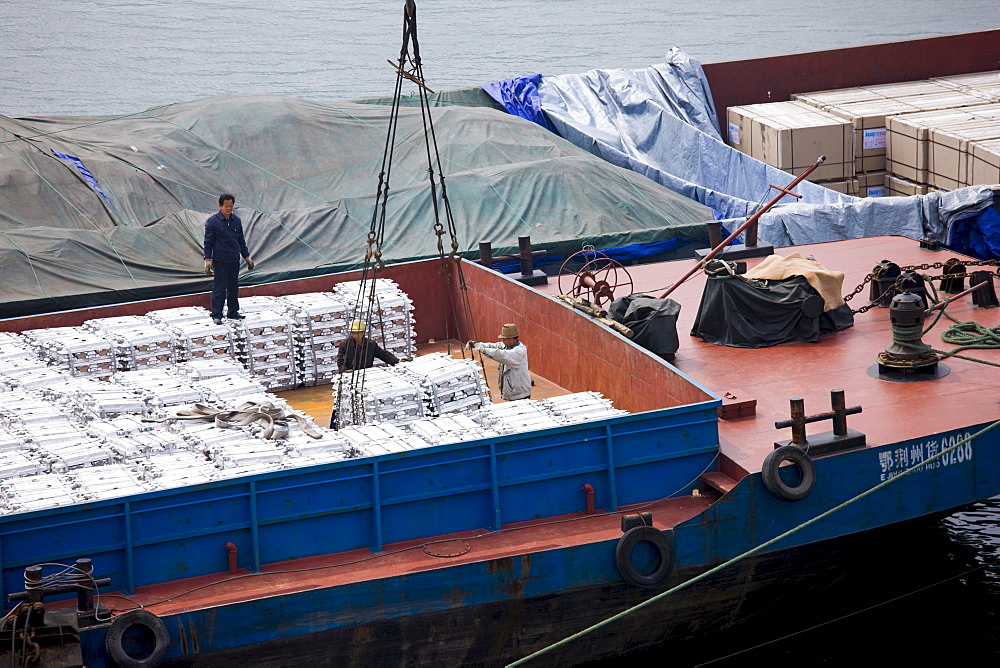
800, 460
623, 556
113, 641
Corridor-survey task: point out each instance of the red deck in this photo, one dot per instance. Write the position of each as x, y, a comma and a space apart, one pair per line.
891, 411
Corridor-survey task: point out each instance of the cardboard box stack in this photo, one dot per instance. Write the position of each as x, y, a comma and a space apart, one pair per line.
906, 138
791, 135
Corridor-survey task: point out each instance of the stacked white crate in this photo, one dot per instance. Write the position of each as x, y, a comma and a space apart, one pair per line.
29, 372
449, 385
177, 469
392, 322
202, 369
75, 349
89, 398
105, 482
321, 320
303, 450
263, 344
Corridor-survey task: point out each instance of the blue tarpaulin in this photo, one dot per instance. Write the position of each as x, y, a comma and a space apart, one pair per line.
84, 172
519, 97
977, 235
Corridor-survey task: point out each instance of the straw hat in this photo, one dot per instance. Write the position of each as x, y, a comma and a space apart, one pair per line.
508, 331
357, 326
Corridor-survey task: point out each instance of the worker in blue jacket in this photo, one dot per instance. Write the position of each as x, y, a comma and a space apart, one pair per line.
224, 245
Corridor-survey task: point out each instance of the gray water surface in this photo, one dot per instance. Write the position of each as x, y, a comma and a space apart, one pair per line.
65, 57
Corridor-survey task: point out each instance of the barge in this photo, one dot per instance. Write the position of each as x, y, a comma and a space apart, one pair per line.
674, 521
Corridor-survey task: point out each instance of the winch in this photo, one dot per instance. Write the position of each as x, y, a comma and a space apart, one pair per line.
908, 358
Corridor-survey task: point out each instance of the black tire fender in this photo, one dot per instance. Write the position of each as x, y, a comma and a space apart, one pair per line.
121, 624
801, 461
623, 556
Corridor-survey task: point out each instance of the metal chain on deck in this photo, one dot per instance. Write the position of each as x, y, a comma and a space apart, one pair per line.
915, 267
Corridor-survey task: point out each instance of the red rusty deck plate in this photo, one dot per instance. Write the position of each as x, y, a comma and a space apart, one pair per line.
891, 411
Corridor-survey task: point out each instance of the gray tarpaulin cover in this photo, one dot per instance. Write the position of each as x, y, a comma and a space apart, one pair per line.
656, 122
304, 175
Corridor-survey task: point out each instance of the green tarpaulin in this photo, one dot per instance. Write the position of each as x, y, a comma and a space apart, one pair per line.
119, 216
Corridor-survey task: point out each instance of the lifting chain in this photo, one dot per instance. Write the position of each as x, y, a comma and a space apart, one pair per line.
916, 267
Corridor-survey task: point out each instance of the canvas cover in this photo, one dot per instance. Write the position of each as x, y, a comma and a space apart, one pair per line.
753, 313
98, 210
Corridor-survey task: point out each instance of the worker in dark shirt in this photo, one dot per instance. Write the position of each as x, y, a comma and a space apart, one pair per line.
359, 352
224, 245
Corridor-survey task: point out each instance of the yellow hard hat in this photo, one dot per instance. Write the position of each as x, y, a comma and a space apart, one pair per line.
357, 326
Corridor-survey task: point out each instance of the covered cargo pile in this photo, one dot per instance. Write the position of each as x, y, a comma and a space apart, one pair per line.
102, 210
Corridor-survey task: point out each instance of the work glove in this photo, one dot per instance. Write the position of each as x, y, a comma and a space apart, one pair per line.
470, 345
249, 264
208, 267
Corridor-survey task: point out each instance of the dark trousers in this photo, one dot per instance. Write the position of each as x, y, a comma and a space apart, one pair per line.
225, 288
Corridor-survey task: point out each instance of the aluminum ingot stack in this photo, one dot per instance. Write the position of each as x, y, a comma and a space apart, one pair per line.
450, 385
392, 321
159, 388
195, 335
20, 365
321, 320
380, 439
381, 396
105, 482
581, 407
450, 429
263, 345
87, 399
47, 490
515, 417
139, 342
75, 349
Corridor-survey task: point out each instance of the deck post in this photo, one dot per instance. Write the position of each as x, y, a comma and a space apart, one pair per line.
254, 529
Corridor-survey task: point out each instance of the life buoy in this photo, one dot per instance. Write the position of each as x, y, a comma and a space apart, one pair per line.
151, 656
623, 556
802, 462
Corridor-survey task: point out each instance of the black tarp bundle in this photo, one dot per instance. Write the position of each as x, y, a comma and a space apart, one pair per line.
97, 210
754, 313
653, 322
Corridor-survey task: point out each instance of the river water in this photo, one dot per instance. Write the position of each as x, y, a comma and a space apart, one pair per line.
121, 56
91, 57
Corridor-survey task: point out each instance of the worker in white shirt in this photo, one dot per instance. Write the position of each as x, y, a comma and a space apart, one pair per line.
514, 381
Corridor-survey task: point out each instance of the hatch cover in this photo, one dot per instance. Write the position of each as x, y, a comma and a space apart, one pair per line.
447, 548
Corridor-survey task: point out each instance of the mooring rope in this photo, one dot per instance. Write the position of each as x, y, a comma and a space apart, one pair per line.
752, 551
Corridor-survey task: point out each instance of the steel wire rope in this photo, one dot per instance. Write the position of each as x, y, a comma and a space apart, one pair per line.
82, 214
752, 551
433, 154
373, 262
461, 166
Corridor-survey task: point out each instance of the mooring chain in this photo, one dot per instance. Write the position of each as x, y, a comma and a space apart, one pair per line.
915, 267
